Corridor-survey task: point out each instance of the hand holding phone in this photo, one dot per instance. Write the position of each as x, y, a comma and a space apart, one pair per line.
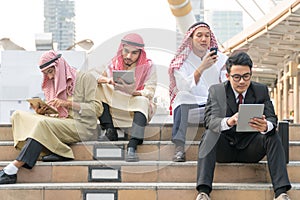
215, 49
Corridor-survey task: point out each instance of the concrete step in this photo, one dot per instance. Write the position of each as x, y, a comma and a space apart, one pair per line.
149, 150
134, 191
294, 132
153, 132
145, 171
100, 172
157, 132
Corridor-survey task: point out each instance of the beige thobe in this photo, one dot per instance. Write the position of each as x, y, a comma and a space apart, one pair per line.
56, 133
123, 105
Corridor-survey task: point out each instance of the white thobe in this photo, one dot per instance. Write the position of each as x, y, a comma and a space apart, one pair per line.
189, 91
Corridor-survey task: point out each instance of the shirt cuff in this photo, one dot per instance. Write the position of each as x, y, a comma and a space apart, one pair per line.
270, 127
224, 125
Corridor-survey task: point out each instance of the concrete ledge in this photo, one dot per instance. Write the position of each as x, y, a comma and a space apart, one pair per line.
130, 191
141, 186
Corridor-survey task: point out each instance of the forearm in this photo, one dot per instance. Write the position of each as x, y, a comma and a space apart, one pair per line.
150, 86
104, 79
137, 93
148, 91
197, 75
72, 105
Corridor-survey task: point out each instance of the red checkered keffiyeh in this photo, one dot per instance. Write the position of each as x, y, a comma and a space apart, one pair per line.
181, 55
143, 66
63, 84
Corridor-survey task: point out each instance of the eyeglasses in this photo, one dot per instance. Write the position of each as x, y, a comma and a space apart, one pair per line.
237, 77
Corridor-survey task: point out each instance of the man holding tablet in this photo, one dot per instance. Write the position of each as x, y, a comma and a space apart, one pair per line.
221, 141
127, 89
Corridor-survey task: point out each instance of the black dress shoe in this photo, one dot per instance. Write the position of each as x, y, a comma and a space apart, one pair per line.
111, 134
55, 158
131, 155
7, 179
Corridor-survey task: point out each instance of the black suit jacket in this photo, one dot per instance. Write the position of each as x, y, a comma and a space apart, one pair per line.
222, 103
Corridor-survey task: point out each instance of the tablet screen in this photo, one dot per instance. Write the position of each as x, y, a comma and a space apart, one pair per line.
246, 112
127, 76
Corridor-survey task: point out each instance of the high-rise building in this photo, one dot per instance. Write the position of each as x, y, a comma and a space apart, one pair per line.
60, 21
198, 9
225, 24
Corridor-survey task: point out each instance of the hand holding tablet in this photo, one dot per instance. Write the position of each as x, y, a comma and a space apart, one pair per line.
246, 113
125, 75
38, 103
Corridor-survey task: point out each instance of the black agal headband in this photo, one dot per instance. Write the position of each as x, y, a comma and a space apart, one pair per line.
50, 61
132, 43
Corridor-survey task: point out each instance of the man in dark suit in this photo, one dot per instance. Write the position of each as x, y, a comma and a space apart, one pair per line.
222, 143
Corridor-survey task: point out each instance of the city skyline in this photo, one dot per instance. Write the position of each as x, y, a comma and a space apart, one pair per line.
95, 19
92, 18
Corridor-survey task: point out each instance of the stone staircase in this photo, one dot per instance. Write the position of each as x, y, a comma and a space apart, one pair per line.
99, 171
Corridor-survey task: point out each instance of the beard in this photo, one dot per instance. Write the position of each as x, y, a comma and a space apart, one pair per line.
129, 62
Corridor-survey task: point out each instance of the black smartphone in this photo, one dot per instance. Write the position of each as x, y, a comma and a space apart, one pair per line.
214, 49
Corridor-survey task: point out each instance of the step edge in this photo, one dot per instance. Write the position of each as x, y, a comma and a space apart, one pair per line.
156, 142
144, 163
138, 186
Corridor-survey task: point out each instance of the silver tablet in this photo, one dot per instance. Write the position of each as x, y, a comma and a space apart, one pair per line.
246, 112
127, 76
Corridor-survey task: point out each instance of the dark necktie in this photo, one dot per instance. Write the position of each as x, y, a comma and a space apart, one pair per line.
240, 97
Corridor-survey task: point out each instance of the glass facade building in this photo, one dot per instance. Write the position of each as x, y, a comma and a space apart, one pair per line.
225, 24
60, 21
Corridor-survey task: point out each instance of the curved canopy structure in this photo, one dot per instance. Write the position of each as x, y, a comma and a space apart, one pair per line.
272, 42
274, 45
7, 44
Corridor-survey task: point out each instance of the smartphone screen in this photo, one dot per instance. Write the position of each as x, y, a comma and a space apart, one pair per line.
215, 49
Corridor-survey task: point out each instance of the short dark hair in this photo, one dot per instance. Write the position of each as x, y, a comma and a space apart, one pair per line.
241, 58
